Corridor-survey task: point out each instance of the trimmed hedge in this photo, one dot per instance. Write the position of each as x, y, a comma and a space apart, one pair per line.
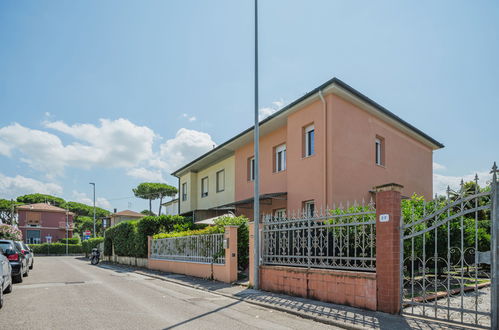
56, 248
130, 237
89, 244
74, 240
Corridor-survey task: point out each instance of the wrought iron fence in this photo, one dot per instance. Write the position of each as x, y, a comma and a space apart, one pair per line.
336, 239
196, 248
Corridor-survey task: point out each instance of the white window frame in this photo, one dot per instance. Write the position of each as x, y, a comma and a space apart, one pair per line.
378, 151
184, 191
252, 169
220, 187
280, 214
204, 187
309, 147
280, 154
309, 207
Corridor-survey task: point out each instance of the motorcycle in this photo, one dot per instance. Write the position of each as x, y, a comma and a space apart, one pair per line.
95, 257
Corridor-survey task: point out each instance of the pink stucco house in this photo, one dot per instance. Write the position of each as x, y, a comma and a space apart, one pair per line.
41, 220
331, 146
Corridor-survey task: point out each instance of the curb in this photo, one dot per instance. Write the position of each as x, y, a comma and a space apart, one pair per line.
281, 309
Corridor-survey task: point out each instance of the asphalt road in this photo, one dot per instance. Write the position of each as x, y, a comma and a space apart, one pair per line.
69, 293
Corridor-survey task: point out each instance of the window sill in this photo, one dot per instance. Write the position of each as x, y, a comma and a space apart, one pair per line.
306, 157
278, 172
380, 165
219, 191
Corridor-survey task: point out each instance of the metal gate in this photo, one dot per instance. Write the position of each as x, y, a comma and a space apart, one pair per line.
449, 251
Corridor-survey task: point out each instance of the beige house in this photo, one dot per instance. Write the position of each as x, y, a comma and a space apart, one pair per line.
118, 217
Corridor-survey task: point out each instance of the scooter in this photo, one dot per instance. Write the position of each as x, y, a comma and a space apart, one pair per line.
95, 257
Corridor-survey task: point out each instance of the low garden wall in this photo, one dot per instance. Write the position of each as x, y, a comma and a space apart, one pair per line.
130, 261
226, 272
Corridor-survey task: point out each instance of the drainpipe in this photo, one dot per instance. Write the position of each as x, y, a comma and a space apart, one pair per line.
324, 120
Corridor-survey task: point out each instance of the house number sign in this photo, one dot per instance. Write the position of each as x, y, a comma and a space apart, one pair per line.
384, 217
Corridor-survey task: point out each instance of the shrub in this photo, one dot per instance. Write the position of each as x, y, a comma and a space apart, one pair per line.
89, 244
10, 232
74, 240
55, 248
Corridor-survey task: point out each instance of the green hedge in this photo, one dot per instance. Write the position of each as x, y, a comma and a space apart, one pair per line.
89, 244
130, 237
74, 240
56, 248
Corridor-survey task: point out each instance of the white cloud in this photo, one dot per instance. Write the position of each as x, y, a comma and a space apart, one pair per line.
438, 167
441, 182
115, 143
11, 187
48, 114
189, 118
81, 197
267, 111
146, 175
186, 146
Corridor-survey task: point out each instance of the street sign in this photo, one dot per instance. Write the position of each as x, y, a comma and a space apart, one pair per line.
87, 233
48, 239
86, 237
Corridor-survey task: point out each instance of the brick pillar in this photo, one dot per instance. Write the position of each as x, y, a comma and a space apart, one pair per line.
231, 253
388, 247
149, 238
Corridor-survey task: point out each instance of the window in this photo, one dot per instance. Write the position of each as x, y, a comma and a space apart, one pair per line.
251, 169
184, 191
379, 146
280, 214
220, 180
204, 187
309, 207
33, 218
309, 140
280, 158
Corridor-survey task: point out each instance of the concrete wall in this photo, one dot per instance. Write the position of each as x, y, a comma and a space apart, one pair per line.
225, 273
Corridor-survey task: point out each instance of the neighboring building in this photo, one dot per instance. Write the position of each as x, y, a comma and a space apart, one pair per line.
118, 217
331, 146
171, 207
42, 223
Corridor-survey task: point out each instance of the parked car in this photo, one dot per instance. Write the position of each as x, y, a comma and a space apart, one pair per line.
25, 249
5, 277
16, 259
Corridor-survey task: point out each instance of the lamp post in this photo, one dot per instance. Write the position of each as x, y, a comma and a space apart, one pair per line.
93, 184
256, 197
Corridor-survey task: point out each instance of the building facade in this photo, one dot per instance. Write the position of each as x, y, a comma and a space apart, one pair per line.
330, 147
44, 223
125, 215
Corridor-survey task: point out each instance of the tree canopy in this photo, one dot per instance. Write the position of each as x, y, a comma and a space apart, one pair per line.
41, 198
7, 211
153, 191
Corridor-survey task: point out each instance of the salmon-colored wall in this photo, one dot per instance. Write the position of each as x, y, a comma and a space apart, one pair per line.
348, 140
351, 162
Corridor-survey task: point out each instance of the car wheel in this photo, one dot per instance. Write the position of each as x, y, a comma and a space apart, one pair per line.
18, 278
1, 299
26, 273
32, 264
9, 288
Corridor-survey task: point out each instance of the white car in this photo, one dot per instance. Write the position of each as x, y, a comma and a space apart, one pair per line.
5, 276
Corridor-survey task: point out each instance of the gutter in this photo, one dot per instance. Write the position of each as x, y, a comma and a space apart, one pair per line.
324, 120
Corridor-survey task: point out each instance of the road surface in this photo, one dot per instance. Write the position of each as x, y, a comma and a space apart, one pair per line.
69, 293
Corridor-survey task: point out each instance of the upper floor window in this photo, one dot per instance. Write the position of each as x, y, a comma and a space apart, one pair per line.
309, 140
220, 180
309, 207
379, 149
251, 169
184, 191
280, 158
204, 187
280, 213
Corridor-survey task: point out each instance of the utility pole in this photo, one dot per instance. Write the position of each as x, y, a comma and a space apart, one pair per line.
93, 184
67, 229
256, 197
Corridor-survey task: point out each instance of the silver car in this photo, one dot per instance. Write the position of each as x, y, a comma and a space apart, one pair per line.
5, 277
25, 249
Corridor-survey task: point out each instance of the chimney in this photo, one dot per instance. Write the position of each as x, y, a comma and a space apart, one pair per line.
115, 210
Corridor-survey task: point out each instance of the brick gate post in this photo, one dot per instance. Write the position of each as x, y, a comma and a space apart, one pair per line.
388, 217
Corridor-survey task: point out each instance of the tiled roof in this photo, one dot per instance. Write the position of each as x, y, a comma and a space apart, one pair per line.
41, 207
129, 213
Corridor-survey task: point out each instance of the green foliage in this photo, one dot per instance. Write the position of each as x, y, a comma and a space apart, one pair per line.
205, 231
147, 212
7, 211
89, 244
152, 191
10, 232
56, 248
74, 240
41, 198
85, 210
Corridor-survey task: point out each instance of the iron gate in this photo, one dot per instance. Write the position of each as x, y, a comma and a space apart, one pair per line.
449, 251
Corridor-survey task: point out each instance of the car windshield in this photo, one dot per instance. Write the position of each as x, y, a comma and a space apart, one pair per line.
19, 245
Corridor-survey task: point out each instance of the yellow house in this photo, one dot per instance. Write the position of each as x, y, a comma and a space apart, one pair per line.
205, 188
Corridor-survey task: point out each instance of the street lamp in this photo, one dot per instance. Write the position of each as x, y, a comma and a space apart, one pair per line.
256, 197
93, 184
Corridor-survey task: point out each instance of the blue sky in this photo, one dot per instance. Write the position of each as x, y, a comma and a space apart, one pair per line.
119, 92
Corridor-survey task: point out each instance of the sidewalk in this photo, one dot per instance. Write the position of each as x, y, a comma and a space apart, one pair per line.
337, 315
